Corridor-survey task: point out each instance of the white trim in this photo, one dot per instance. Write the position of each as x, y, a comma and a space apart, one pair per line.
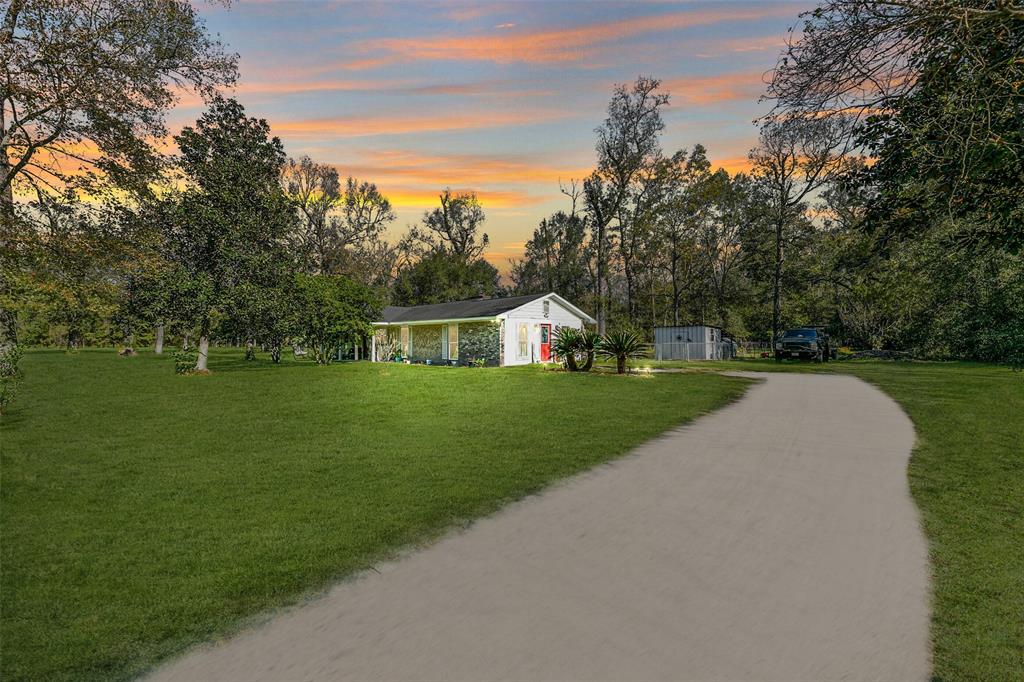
561, 301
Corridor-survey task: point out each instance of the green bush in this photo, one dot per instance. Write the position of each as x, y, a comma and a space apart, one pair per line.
185, 361
10, 376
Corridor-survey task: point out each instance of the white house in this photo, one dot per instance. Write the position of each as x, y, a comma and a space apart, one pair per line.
493, 331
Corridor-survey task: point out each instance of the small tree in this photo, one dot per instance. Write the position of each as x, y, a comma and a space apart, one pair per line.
329, 309
257, 312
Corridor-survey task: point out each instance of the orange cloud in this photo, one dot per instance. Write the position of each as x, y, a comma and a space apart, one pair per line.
401, 124
734, 165
729, 87
500, 258
554, 45
435, 170
405, 197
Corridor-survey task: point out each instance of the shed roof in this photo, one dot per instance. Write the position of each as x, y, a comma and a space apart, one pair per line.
456, 310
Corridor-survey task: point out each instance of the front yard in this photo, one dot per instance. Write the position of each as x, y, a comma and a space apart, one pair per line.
142, 512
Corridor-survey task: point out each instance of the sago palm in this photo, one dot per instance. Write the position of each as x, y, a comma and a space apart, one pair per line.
621, 345
566, 345
588, 343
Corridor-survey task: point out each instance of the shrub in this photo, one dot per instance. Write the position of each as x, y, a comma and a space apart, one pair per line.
185, 361
10, 375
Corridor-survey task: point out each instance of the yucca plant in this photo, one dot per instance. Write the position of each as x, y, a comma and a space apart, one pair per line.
588, 343
566, 345
621, 345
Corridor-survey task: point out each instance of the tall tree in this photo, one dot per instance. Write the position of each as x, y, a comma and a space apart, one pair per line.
439, 277
316, 191
85, 88
453, 227
554, 259
333, 219
231, 223
626, 141
678, 223
794, 157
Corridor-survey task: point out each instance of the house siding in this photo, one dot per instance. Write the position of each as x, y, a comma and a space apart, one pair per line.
426, 343
480, 340
532, 314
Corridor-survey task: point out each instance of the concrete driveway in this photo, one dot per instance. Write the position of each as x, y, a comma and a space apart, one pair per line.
773, 540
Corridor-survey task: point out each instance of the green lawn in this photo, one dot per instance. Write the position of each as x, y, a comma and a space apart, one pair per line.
967, 477
142, 511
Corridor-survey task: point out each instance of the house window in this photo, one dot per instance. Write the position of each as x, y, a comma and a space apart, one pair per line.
453, 342
547, 308
523, 340
405, 342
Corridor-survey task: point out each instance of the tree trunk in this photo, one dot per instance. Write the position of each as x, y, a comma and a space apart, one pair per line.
589, 362
8, 331
630, 298
159, 339
275, 353
204, 346
620, 364
600, 281
777, 284
184, 341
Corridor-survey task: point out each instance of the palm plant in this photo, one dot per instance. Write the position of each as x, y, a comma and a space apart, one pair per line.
566, 345
588, 343
621, 345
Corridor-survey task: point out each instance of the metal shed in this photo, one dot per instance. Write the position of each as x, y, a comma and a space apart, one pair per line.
692, 342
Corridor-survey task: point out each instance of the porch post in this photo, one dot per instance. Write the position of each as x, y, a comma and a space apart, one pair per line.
373, 347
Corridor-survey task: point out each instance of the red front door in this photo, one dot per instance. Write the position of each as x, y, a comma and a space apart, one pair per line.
545, 343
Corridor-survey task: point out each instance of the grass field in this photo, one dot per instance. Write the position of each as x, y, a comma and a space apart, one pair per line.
967, 477
142, 511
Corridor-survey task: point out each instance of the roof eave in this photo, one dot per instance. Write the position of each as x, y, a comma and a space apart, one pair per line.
447, 320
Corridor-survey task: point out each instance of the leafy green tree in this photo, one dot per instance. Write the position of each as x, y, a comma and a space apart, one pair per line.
86, 87
554, 259
329, 310
231, 224
627, 142
794, 158
439, 277
261, 313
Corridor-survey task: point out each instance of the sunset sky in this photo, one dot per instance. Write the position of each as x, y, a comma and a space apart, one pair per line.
497, 98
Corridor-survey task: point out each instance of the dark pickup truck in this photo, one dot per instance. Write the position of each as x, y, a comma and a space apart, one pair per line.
806, 343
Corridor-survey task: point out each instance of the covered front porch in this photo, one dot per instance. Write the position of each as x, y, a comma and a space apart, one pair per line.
438, 343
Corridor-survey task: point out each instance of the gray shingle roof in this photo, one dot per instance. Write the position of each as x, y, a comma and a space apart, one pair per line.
456, 310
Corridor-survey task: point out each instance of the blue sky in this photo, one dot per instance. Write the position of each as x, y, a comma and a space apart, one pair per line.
498, 98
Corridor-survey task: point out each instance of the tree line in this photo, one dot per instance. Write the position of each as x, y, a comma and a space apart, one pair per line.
883, 198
